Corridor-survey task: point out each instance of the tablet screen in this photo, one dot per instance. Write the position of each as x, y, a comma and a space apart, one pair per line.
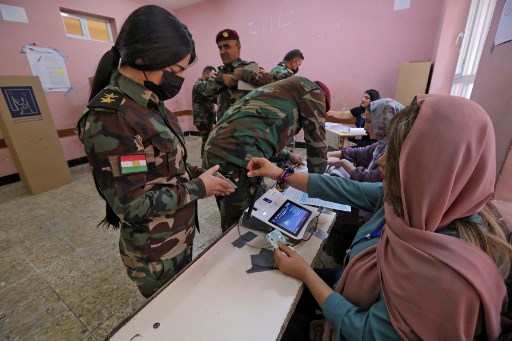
291, 217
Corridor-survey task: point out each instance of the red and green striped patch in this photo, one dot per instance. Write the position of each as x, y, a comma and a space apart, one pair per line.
133, 163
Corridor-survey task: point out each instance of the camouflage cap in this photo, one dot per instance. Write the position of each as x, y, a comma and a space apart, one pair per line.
227, 34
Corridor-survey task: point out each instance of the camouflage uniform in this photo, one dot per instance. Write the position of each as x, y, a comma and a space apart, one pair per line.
228, 96
281, 71
260, 125
157, 205
203, 112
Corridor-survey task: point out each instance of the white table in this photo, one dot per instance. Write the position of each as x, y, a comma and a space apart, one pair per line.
215, 299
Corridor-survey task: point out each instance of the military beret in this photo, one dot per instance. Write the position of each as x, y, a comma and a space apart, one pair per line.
327, 94
227, 34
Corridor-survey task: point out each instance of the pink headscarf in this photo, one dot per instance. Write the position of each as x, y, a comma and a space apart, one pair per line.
435, 285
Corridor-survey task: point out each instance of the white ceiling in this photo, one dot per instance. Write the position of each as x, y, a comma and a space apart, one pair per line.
174, 4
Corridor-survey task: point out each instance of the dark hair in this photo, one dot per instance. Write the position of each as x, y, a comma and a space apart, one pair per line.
150, 39
374, 94
293, 54
208, 69
397, 130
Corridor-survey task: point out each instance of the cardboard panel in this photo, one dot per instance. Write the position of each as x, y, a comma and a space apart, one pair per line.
412, 80
30, 135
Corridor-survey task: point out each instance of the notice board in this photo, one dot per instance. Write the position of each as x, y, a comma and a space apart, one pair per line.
29, 133
413, 79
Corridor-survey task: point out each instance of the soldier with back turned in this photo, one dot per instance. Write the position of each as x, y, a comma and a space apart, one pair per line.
259, 125
287, 68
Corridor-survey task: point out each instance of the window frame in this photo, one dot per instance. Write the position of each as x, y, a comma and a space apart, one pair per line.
85, 28
473, 40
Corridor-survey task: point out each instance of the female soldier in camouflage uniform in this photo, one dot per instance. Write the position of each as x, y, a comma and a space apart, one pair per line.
137, 151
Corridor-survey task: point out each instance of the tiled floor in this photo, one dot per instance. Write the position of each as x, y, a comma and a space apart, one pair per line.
61, 278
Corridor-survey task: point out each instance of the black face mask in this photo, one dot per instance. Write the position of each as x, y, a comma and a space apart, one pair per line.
295, 71
170, 86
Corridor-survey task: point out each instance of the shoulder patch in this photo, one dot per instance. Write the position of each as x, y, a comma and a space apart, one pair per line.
107, 99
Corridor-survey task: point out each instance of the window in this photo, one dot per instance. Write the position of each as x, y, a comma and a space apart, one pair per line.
86, 27
473, 40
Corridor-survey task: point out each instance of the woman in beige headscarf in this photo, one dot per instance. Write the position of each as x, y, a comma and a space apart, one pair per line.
438, 271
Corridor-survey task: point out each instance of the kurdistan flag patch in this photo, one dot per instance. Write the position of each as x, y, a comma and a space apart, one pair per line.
133, 163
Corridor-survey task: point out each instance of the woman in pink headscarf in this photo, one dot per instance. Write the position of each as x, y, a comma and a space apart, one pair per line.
438, 271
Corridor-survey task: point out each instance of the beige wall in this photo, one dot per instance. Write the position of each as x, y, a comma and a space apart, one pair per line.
447, 52
493, 91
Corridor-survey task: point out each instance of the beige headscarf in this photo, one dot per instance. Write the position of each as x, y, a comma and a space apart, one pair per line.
435, 285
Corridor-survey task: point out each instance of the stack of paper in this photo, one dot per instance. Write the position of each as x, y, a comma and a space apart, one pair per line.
343, 129
357, 130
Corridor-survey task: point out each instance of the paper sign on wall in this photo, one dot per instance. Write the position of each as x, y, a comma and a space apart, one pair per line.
504, 32
401, 4
13, 13
49, 64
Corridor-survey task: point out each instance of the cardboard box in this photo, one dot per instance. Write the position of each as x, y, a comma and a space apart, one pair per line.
30, 135
413, 79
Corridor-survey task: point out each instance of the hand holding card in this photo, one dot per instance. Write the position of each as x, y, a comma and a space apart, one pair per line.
275, 236
220, 176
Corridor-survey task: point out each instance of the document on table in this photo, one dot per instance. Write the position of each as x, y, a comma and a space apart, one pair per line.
343, 129
301, 197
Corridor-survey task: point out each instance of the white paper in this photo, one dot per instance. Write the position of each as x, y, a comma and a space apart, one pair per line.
301, 197
49, 65
340, 171
341, 129
337, 127
504, 32
248, 86
357, 131
13, 13
401, 4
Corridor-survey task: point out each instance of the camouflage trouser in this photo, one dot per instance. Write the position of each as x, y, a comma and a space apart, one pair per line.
290, 144
151, 276
231, 207
204, 131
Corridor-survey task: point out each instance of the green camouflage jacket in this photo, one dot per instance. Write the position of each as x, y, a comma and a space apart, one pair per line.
137, 154
281, 71
228, 96
261, 123
202, 106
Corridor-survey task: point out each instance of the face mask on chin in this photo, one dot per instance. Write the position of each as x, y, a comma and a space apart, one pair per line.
295, 71
168, 88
